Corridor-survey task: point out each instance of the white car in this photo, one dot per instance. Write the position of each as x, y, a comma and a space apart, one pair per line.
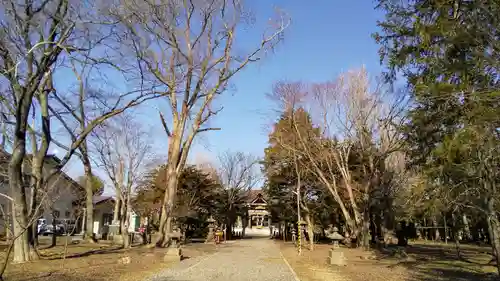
63, 226
41, 225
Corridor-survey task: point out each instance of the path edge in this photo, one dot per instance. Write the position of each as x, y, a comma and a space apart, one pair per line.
295, 276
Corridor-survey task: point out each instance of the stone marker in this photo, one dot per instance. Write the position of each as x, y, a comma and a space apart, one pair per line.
336, 257
173, 255
174, 252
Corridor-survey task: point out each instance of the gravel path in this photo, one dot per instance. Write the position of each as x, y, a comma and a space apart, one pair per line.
243, 260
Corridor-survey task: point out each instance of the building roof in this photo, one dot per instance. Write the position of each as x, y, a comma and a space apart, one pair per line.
50, 160
254, 194
97, 199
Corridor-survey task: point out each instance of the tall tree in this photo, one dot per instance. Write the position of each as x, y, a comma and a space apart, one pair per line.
78, 117
37, 38
285, 164
33, 35
122, 152
448, 51
188, 49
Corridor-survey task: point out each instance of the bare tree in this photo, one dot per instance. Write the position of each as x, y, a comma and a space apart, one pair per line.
363, 121
188, 49
94, 105
237, 173
33, 35
356, 123
122, 149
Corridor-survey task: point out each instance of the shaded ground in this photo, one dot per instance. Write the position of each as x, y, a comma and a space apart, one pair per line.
96, 262
422, 262
237, 260
311, 265
439, 261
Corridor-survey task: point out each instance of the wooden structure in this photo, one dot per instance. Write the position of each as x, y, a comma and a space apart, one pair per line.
257, 213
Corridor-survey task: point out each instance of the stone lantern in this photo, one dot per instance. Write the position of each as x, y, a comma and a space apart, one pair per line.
301, 229
211, 226
336, 256
336, 237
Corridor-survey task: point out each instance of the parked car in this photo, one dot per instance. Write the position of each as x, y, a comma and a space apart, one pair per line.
68, 225
62, 226
49, 229
41, 225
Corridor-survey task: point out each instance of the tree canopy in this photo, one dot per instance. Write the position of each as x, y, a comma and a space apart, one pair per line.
96, 181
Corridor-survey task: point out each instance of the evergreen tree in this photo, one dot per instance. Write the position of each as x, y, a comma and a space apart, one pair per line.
448, 51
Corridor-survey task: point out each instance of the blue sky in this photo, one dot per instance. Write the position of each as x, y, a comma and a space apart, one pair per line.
324, 39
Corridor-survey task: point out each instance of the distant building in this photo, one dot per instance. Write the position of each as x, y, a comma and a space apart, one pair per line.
103, 216
257, 219
57, 200
257, 214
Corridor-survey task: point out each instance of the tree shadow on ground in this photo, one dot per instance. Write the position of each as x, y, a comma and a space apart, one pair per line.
60, 277
438, 272
440, 262
74, 277
57, 256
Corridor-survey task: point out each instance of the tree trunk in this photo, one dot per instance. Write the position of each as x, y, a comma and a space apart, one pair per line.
19, 207
437, 236
350, 222
38, 179
54, 231
494, 225
125, 220
229, 223
244, 224
310, 230
32, 230
229, 230
89, 204
167, 208
375, 224
467, 232
455, 237
365, 232
116, 211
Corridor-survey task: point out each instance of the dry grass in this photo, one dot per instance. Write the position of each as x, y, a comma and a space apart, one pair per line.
424, 262
96, 262
311, 265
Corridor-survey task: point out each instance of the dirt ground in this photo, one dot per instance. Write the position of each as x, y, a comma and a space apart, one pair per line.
422, 262
96, 262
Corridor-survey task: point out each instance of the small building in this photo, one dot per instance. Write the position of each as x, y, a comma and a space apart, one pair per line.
257, 213
257, 217
103, 216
